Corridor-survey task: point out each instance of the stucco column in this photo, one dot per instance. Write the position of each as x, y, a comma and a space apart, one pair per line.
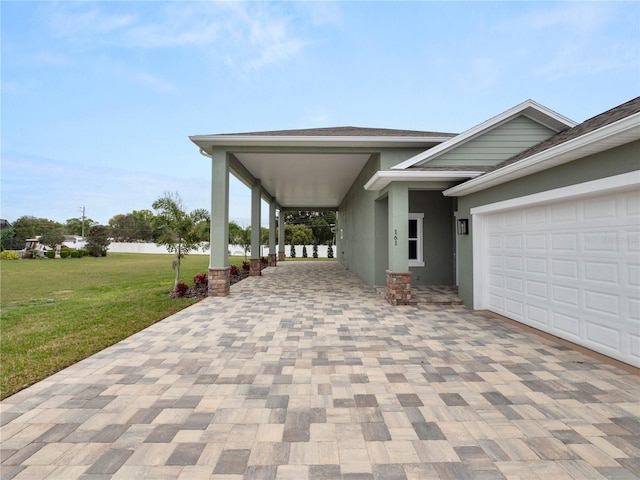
256, 203
219, 276
281, 255
272, 233
398, 274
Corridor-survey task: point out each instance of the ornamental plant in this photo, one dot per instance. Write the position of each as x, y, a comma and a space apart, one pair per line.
201, 279
246, 266
304, 251
234, 270
315, 250
181, 289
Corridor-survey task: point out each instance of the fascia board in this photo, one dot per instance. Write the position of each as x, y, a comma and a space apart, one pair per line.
610, 136
529, 108
383, 178
208, 141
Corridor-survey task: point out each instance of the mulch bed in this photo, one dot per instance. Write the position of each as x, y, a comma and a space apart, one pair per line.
202, 291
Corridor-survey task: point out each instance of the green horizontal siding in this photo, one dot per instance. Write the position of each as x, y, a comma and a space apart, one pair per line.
496, 145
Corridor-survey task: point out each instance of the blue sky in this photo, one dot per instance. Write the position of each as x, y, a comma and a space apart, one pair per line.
99, 98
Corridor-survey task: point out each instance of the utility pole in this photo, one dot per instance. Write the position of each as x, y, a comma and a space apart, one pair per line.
83, 222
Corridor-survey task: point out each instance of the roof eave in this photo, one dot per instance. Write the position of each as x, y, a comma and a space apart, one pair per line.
609, 136
383, 178
209, 141
529, 108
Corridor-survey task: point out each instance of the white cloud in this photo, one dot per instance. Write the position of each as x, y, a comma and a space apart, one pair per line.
250, 35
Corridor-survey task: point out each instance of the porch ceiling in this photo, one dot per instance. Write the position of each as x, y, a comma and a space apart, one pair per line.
304, 180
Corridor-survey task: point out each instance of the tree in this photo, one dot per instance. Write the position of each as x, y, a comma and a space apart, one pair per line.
52, 236
179, 231
31, 227
74, 226
8, 240
98, 240
244, 240
320, 223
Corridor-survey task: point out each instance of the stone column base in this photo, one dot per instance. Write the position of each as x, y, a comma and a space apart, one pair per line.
256, 267
219, 281
272, 260
281, 256
398, 288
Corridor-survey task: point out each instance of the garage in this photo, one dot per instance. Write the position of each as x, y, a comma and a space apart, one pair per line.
566, 262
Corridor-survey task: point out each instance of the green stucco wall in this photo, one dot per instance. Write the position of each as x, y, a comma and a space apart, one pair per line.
438, 239
356, 225
619, 160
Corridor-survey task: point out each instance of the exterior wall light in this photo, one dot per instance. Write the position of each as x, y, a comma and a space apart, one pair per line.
463, 226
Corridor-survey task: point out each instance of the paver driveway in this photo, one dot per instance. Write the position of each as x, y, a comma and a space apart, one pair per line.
306, 372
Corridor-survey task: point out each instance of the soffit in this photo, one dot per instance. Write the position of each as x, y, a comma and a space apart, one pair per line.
313, 180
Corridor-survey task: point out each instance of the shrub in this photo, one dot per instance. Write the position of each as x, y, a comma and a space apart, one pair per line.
315, 250
51, 254
246, 266
75, 254
330, 252
304, 251
181, 289
234, 270
83, 252
201, 279
9, 255
264, 261
65, 253
293, 251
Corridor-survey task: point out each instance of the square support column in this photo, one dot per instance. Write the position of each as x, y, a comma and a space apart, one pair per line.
219, 272
272, 233
281, 236
256, 203
219, 281
398, 275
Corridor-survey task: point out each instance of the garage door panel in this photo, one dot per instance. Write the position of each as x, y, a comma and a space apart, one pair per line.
570, 268
565, 269
536, 242
600, 303
514, 284
538, 317
538, 290
601, 207
602, 272
536, 265
563, 213
566, 295
567, 324
633, 309
564, 242
603, 336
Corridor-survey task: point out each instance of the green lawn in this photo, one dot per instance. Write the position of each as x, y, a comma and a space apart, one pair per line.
57, 312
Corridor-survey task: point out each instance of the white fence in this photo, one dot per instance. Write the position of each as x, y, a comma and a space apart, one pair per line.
135, 247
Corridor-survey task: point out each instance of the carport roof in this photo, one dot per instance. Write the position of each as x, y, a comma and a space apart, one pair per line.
307, 169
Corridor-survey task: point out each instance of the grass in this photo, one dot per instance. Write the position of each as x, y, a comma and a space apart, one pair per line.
57, 312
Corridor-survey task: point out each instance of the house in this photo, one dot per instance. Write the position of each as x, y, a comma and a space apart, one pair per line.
533, 216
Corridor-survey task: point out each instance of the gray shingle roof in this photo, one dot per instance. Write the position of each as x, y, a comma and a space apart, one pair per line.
345, 132
610, 116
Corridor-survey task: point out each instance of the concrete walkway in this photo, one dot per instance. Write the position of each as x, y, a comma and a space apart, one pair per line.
306, 372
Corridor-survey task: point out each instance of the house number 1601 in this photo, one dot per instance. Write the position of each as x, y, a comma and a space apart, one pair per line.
395, 236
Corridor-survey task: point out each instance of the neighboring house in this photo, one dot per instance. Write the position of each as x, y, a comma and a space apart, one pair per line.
533, 216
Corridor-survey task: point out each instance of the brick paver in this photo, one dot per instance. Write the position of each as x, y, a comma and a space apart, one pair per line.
306, 372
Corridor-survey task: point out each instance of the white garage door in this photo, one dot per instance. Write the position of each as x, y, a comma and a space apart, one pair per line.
570, 268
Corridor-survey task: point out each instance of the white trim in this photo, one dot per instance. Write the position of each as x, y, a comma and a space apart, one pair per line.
419, 262
625, 181
383, 178
209, 141
610, 136
529, 108
616, 182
